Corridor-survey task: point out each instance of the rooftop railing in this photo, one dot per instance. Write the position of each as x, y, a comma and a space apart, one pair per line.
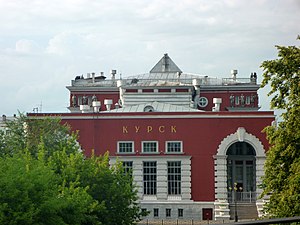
165, 80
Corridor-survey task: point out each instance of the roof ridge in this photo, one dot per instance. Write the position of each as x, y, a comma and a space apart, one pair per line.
165, 65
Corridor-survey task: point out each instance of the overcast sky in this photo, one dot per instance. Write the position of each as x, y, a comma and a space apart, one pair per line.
44, 44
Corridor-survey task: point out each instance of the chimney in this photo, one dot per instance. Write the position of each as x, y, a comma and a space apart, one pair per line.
113, 74
217, 102
108, 103
165, 65
84, 108
88, 75
93, 77
233, 74
96, 106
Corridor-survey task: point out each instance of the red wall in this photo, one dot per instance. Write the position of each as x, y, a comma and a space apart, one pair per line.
201, 138
225, 95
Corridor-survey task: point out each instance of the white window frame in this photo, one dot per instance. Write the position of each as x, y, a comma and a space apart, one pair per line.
125, 142
150, 183
181, 147
174, 184
143, 147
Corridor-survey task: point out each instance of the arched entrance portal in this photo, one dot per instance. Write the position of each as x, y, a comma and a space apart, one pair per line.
256, 154
241, 172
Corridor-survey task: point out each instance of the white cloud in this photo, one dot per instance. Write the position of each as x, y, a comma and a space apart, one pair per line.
27, 47
44, 44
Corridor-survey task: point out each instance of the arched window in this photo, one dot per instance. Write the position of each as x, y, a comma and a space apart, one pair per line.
241, 173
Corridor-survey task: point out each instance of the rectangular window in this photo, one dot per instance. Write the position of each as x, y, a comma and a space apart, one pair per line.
127, 165
125, 147
180, 212
155, 212
164, 90
149, 178
150, 146
148, 90
168, 212
174, 178
174, 146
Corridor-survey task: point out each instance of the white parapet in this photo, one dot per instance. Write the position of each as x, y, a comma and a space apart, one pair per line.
96, 106
85, 108
108, 103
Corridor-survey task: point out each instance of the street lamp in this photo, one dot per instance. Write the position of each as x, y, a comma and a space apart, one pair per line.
235, 188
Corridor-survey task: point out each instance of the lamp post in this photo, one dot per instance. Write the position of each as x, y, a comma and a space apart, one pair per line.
234, 191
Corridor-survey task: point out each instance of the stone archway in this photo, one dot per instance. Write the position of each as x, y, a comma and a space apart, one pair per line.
241, 135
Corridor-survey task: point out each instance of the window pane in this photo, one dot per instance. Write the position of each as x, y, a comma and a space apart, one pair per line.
180, 212
155, 212
174, 146
127, 165
149, 178
174, 178
149, 146
125, 147
168, 212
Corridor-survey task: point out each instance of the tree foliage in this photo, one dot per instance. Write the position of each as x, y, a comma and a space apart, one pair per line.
45, 179
282, 168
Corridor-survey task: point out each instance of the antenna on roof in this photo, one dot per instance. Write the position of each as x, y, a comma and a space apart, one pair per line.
41, 106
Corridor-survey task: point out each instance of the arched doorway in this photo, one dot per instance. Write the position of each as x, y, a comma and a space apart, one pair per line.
241, 172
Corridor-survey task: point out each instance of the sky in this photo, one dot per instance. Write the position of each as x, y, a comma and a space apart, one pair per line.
44, 44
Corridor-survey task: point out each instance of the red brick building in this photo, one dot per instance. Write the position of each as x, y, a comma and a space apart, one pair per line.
194, 143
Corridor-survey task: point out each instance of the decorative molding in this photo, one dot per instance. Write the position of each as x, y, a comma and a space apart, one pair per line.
241, 135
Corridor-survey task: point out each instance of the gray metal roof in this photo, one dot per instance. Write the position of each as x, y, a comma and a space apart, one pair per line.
164, 73
157, 107
168, 79
165, 65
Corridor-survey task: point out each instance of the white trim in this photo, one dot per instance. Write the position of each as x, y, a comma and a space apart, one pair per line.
162, 191
181, 147
221, 162
157, 147
118, 147
165, 116
206, 91
205, 104
247, 137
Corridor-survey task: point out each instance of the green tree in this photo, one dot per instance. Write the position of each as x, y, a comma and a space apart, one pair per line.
29, 133
32, 193
80, 190
282, 168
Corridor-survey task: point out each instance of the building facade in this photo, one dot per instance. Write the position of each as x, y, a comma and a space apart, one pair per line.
194, 144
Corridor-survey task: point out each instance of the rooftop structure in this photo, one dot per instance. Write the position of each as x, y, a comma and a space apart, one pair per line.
168, 84
194, 143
